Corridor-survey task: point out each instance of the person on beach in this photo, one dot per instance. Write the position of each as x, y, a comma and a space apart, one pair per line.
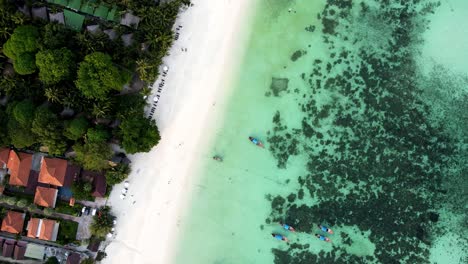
287, 227
280, 237
323, 238
325, 229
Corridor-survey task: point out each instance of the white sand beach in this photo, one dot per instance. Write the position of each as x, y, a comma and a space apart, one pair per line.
193, 96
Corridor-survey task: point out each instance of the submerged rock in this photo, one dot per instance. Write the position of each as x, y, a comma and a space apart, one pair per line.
278, 85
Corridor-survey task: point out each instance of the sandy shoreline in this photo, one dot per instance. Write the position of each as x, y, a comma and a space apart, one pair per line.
193, 98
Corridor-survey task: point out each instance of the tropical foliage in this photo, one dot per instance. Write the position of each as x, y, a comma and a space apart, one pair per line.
76, 128
117, 174
139, 134
55, 65
102, 223
93, 156
97, 76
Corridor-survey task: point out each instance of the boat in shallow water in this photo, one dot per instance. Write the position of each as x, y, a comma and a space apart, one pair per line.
256, 142
288, 227
323, 238
325, 229
280, 237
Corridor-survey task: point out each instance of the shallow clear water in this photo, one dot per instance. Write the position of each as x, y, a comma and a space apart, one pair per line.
364, 120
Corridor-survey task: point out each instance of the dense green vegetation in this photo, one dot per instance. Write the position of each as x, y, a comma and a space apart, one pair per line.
67, 232
102, 223
117, 174
63, 89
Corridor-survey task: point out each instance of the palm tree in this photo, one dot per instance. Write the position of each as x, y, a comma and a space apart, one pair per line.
143, 67
102, 109
54, 94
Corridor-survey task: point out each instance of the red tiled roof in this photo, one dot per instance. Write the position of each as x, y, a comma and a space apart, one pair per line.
44, 229
53, 171
100, 186
33, 227
19, 165
45, 196
4, 154
13, 222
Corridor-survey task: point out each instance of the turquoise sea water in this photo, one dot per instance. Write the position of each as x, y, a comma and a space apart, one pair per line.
363, 108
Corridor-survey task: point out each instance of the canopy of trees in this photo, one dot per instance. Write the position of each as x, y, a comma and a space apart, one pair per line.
97, 135
49, 130
93, 156
117, 174
97, 76
55, 65
139, 134
102, 223
76, 128
62, 86
25, 39
21, 48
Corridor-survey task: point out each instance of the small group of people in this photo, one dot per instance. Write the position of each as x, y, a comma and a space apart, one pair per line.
291, 229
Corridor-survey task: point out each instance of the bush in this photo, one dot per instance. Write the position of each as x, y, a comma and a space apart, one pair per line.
32, 207
48, 211
10, 200
22, 203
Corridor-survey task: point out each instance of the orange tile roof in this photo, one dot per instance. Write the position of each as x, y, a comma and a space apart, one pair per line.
13, 222
33, 226
4, 154
53, 171
44, 229
45, 196
19, 164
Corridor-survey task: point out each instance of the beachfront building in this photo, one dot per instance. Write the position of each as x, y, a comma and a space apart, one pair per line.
13, 222
44, 229
45, 196
100, 186
19, 166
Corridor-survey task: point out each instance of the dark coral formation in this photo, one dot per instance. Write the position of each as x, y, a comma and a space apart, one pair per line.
371, 136
278, 85
297, 54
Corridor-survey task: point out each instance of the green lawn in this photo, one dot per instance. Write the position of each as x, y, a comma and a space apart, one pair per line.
67, 232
